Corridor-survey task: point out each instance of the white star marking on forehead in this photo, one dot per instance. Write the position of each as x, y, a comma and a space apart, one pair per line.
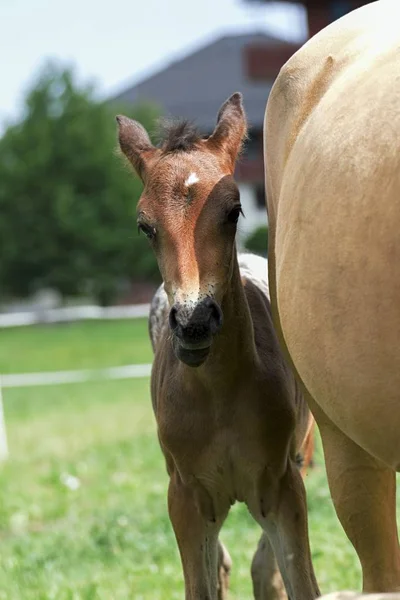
193, 178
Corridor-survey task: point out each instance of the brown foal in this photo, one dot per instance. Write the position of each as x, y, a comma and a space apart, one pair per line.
231, 419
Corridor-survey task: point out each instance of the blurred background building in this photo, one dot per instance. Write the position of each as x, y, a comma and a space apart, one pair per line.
194, 87
67, 206
322, 12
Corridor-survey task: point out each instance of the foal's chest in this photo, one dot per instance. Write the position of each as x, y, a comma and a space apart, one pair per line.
220, 447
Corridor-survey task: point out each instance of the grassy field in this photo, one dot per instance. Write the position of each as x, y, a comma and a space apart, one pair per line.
83, 497
81, 345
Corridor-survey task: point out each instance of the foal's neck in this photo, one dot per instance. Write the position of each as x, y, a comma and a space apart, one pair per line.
233, 348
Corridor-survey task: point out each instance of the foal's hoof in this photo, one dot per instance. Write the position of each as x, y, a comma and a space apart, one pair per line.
224, 571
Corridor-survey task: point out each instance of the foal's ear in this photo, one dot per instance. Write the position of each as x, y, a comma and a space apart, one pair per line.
231, 129
135, 143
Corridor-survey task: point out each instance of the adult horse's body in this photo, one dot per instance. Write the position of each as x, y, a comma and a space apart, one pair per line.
332, 135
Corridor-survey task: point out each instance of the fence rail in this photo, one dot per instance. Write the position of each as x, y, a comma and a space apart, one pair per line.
74, 313
64, 315
59, 377
17, 380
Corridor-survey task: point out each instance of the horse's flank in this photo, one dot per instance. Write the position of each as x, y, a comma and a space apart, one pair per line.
332, 139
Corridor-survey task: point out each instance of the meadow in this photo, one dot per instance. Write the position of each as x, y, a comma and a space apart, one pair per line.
83, 495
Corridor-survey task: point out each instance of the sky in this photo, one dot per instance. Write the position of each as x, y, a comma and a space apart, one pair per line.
118, 42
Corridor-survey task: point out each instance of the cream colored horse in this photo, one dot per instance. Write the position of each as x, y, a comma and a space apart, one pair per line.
332, 135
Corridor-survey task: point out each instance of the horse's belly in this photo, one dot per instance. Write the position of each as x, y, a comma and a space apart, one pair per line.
356, 382
338, 266
341, 324
342, 330
333, 177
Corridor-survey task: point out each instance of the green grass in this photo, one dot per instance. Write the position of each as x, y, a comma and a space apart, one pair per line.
110, 539
86, 344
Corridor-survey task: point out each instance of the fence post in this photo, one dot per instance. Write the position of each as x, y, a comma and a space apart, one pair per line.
3, 431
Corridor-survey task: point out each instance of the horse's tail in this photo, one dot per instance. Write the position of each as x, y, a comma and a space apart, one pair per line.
308, 447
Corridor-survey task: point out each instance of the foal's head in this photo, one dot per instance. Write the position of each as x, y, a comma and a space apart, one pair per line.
189, 211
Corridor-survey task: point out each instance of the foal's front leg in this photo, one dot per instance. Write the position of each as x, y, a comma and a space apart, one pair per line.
285, 522
197, 538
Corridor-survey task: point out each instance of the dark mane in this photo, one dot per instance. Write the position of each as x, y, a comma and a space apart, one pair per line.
179, 135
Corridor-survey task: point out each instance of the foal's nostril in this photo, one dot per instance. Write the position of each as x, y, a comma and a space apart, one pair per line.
173, 321
216, 317
196, 324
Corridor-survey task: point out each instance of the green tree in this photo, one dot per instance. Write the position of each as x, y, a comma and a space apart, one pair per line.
257, 242
67, 203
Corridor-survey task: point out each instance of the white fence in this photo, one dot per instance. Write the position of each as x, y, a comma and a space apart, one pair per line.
62, 377
63, 315
73, 313
58, 377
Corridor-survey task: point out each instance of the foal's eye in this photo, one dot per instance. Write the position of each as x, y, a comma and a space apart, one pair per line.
148, 230
234, 214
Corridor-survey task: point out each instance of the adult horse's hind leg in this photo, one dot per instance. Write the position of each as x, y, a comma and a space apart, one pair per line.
364, 495
267, 580
224, 571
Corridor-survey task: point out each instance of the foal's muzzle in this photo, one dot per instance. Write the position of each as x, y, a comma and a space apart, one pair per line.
194, 329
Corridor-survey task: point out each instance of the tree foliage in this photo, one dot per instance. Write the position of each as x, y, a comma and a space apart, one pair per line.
67, 202
257, 242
